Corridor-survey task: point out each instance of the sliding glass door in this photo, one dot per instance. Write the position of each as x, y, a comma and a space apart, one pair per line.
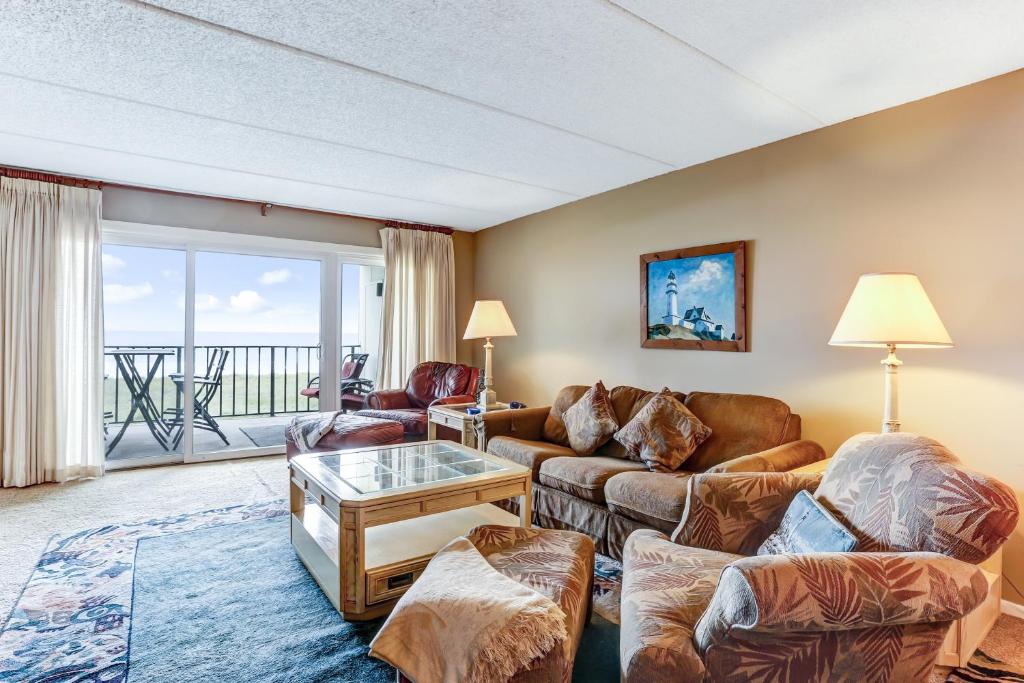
212, 347
144, 342
257, 349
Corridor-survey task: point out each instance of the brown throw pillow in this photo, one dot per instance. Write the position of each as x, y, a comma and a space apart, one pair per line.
663, 434
590, 421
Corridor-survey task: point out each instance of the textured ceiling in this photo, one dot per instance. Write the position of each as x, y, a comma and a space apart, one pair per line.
459, 113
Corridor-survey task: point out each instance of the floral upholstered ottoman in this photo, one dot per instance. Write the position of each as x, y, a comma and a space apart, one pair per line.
558, 565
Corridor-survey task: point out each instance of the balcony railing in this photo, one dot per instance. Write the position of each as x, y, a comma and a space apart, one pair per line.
257, 379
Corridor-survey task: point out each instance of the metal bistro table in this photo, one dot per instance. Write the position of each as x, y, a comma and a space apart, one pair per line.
138, 383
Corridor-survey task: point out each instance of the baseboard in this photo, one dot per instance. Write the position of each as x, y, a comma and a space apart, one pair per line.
1012, 608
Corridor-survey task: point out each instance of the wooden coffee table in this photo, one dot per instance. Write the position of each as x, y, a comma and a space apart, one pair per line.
366, 521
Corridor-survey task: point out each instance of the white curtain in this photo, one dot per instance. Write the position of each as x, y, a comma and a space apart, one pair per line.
51, 333
418, 319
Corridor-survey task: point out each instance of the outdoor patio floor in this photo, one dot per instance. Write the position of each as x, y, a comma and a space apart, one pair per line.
137, 441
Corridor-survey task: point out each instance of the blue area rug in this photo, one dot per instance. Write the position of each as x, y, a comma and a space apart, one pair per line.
234, 603
209, 596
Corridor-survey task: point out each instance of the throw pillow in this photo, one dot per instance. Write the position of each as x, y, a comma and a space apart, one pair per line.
663, 434
590, 421
807, 527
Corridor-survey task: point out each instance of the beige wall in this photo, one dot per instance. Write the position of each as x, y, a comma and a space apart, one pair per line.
159, 208
465, 269
935, 187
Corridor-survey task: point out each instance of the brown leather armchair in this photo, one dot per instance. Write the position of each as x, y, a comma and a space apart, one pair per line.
430, 383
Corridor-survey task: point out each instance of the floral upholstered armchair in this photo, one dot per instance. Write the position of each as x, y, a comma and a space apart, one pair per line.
701, 607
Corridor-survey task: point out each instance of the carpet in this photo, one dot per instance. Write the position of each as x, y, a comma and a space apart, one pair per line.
982, 668
265, 435
216, 595
235, 603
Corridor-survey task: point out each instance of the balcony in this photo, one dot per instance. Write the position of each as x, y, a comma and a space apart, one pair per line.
245, 396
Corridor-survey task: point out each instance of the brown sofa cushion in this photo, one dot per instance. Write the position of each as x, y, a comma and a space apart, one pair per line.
554, 426
584, 477
741, 424
663, 434
627, 402
527, 453
590, 421
654, 498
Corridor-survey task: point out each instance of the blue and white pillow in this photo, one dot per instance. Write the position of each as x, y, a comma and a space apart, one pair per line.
808, 527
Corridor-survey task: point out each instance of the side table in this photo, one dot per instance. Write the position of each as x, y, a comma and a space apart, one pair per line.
456, 417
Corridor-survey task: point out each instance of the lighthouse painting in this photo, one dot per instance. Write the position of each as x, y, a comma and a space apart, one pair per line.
695, 298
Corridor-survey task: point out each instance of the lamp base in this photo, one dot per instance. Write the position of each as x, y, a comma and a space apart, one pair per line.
488, 400
891, 417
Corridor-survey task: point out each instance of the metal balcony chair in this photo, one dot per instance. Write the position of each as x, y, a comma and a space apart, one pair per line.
353, 388
205, 387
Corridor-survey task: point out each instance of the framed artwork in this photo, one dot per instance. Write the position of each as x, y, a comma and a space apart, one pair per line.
695, 298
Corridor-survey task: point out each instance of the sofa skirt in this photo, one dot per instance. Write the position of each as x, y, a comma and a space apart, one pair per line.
553, 509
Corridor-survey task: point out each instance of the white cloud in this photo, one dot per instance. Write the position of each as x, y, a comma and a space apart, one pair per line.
169, 274
275, 277
122, 294
204, 302
709, 274
207, 302
247, 301
111, 262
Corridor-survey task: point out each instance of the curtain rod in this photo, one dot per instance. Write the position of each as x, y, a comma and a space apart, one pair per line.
40, 176
264, 207
418, 226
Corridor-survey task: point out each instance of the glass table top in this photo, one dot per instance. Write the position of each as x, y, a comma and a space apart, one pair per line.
393, 467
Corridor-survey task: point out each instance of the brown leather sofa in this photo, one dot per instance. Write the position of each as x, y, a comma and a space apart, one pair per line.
607, 496
430, 383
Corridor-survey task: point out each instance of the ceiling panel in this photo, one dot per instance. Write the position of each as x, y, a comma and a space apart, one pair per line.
582, 65
43, 111
102, 164
147, 56
461, 113
840, 59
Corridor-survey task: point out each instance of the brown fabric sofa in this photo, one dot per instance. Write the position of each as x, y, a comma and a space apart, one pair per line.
607, 496
699, 607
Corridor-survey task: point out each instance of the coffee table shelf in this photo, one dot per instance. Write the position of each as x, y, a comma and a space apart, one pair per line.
366, 539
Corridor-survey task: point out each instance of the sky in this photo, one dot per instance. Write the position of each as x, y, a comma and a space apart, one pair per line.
144, 291
707, 281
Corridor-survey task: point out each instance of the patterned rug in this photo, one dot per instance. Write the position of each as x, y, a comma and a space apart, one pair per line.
984, 668
74, 617
607, 585
74, 620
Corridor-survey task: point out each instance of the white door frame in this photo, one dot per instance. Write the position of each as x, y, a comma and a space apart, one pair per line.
190, 240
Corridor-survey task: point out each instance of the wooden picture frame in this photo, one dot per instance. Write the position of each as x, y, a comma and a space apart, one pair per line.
689, 324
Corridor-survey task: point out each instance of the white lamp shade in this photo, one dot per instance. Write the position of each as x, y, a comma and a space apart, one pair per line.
489, 319
890, 309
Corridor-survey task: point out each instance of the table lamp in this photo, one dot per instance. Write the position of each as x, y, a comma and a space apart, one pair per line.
890, 310
489, 319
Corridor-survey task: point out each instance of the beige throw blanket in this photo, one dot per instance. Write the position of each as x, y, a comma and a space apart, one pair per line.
465, 622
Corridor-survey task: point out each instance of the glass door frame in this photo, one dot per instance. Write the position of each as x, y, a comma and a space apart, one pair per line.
190, 241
